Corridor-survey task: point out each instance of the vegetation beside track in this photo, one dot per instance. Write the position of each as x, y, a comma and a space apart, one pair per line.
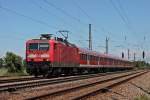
5, 72
143, 97
142, 65
12, 65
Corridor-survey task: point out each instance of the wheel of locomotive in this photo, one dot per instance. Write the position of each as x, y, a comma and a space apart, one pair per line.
74, 71
56, 71
35, 71
50, 72
45, 70
67, 71
29, 71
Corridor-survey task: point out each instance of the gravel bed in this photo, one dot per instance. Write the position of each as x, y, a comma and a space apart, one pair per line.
21, 94
127, 91
80, 92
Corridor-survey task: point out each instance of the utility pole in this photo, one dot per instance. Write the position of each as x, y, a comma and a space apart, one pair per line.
122, 54
90, 38
134, 56
107, 39
128, 54
143, 54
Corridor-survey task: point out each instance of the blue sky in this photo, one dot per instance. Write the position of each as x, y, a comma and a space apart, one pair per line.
21, 20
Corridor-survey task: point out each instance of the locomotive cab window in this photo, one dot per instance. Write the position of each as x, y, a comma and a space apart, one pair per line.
43, 46
38, 46
33, 46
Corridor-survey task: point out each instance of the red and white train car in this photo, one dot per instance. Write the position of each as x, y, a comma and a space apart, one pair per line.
57, 56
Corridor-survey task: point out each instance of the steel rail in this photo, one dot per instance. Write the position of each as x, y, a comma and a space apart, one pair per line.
71, 89
107, 88
35, 83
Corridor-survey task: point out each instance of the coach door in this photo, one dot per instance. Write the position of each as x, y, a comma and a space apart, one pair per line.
88, 59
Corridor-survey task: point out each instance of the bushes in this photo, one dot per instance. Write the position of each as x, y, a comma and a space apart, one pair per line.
141, 64
142, 97
13, 62
1, 62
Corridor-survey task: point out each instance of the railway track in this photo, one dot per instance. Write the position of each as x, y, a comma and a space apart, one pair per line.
7, 76
76, 92
5, 81
16, 84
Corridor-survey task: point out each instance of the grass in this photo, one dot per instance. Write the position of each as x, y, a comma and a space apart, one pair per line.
4, 72
143, 97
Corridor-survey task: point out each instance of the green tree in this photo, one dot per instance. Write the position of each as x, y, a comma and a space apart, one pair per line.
141, 64
1, 62
13, 62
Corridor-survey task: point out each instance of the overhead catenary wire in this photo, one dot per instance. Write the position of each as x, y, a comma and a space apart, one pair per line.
125, 16
120, 10
28, 17
70, 16
63, 11
89, 17
120, 14
123, 11
47, 11
66, 13
82, 10
125, 19
58, 17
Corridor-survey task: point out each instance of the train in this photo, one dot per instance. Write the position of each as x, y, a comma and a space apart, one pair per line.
56, 56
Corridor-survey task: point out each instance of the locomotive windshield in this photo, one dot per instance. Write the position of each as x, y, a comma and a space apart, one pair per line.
39, 46
33, 46
43, 46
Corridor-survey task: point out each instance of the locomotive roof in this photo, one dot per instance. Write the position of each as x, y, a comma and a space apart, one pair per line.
55, 40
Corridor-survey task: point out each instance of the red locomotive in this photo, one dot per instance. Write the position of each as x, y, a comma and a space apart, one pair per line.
47, 56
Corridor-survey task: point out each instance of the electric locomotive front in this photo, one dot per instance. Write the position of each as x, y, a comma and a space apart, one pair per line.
39, 56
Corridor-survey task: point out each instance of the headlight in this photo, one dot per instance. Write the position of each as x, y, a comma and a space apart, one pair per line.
32, 56
44, 55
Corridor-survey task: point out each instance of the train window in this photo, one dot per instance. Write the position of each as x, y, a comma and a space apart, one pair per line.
104, 60
33, 46
43, 46
97, 58
90, 57
93, 58
85, 57
101, 59
110, 60
80, 56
